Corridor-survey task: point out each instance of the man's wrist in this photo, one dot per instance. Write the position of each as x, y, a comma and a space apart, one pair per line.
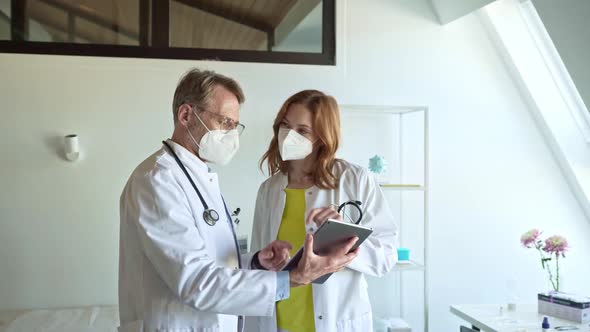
295, 279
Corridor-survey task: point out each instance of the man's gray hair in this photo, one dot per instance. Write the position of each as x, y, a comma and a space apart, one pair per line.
196, 88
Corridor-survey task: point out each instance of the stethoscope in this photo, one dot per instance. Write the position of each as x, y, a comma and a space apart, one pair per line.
210, 216
356, 219
356, 205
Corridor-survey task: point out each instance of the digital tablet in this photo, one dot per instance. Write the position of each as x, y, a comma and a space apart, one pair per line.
331, 233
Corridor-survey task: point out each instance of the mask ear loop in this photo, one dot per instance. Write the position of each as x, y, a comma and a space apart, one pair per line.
193, 138
201, 121
204, 125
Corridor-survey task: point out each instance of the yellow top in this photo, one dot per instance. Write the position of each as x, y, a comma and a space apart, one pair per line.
295, 313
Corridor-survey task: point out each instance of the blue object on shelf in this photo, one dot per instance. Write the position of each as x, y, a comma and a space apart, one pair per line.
377, 164
403, 254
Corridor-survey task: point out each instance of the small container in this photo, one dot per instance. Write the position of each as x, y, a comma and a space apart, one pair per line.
403, 254
545, 325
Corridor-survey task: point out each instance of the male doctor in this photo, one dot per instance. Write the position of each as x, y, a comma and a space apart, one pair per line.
179, 265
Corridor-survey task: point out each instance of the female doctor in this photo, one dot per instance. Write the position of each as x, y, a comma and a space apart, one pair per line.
306, 176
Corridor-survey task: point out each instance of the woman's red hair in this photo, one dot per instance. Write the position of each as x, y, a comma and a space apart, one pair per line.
326, 125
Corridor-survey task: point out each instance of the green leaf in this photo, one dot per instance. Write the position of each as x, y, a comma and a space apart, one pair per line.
543, 260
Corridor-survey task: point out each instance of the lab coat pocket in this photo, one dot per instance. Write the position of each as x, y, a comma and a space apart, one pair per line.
361, 323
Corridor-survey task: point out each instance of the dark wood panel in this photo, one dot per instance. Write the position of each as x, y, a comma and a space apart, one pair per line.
160, 40
163, 53
144, 22
160, 23
329, 29
17, 25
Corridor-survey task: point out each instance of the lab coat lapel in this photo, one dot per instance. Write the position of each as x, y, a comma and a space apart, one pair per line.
276, 212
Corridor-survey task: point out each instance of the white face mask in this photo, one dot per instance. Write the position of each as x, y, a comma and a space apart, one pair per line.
292, 145
217, 146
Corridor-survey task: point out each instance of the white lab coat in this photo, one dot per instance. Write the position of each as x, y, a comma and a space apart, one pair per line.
342, 302
176, 273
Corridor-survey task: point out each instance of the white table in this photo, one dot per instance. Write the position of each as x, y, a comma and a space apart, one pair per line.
490, 318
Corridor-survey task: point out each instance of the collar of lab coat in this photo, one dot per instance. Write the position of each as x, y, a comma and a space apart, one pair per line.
188, 158
283, 181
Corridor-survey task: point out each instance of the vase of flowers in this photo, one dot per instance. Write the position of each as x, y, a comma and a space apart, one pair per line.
550, 250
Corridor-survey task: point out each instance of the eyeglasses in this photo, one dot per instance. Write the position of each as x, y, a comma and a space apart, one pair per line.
226, 124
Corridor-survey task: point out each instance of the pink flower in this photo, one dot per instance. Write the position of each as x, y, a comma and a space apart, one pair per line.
530, 237
556, 244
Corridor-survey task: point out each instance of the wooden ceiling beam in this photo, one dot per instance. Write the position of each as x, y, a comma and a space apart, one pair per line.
213, 9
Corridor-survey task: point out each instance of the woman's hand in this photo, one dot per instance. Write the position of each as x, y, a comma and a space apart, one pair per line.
320, 215
274, 256
312, 266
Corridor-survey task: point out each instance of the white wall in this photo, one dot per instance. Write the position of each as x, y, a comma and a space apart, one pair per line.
567, 24
492, 175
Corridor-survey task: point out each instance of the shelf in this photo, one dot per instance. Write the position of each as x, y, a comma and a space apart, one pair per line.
364, 109
412, 266
408, 131
402, 187
396, 325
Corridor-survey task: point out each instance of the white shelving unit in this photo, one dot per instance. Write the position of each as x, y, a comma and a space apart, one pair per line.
357, 124
412, 266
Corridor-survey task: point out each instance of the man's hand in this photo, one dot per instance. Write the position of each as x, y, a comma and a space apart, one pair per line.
275, 255
312, 266
320, 215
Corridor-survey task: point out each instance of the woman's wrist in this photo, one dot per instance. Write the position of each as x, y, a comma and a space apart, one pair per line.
255, 264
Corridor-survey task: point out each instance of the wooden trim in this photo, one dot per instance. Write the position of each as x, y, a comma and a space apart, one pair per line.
18, 21
163, 53
160, 23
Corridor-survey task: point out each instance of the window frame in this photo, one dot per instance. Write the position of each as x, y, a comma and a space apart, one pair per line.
555, 65
521, 39
17, 44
